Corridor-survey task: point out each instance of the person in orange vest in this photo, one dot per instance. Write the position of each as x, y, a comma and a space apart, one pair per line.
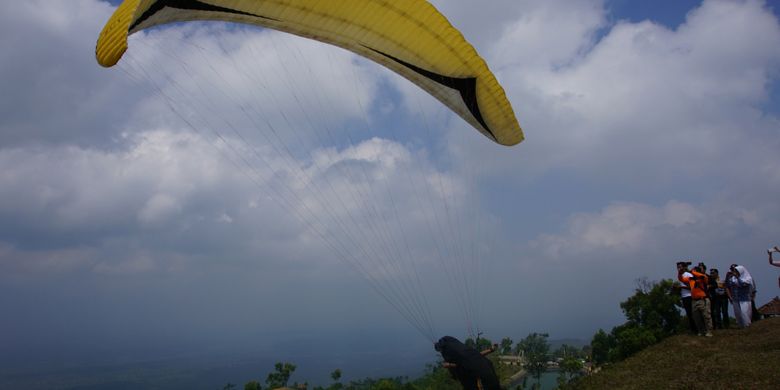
700, 300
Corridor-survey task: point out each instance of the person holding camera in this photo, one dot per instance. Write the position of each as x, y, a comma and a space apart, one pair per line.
740, 287
683, 276
776, 263
700, 300
769, 252
719, 301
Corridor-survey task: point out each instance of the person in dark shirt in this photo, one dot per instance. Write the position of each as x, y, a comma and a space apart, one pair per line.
468, 366
720, 301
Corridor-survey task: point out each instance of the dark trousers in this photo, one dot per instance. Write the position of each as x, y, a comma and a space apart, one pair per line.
686, 302
720, 312
756, 315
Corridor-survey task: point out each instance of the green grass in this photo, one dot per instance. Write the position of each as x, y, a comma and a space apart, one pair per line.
732, 359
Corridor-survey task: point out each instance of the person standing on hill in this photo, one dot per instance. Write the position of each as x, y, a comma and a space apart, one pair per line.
740, 287
683, 276
776, 263
700, 301
719, 301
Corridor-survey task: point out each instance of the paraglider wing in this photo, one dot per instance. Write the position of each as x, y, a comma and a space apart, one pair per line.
409, 37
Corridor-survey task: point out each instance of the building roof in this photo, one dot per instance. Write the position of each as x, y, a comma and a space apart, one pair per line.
771, 308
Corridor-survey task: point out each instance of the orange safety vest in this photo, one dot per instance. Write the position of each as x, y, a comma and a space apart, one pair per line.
698, 285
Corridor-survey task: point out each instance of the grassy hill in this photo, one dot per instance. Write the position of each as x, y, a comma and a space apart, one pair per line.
732, 359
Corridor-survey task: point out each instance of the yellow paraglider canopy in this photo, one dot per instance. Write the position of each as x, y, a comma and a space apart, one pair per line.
410, 37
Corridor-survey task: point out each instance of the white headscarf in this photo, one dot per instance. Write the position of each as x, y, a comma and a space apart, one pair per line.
744, 276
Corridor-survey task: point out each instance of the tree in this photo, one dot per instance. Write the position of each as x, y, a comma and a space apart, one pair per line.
398, 383
601, 344
253, 385
280, 377
587, 352
630, 339
535, 349
652, 314
571, 366
505, 346
480, 344
436, 378
336, 376
566, 350
653, 307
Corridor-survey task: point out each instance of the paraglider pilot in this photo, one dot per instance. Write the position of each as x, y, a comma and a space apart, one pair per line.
468, 366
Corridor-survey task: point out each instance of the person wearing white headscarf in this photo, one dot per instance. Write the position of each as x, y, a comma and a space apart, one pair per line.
741, 287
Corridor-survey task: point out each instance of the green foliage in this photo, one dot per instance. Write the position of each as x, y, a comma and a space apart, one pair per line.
253, 385
480, 344
654, 307
436, 378
630, 339
571, 366
600, 345
536, 349
652, 314
732, 359
566, 350
336, 376
280, 376
381, 384
388, 384
586, 352
505, 348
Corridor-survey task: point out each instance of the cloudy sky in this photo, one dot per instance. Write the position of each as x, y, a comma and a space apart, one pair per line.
226, 186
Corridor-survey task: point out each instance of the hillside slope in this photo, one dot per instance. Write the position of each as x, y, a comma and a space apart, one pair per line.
732, 359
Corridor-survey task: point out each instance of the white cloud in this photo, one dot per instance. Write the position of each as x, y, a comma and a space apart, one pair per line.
264, 84
620, 228
644, 143
59, 93
678, 214
78, 188
547, 36
625, 230
645, 95
135, 265
24, 265
159, 207
378, 203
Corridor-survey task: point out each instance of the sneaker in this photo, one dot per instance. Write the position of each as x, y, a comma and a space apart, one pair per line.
708, 334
